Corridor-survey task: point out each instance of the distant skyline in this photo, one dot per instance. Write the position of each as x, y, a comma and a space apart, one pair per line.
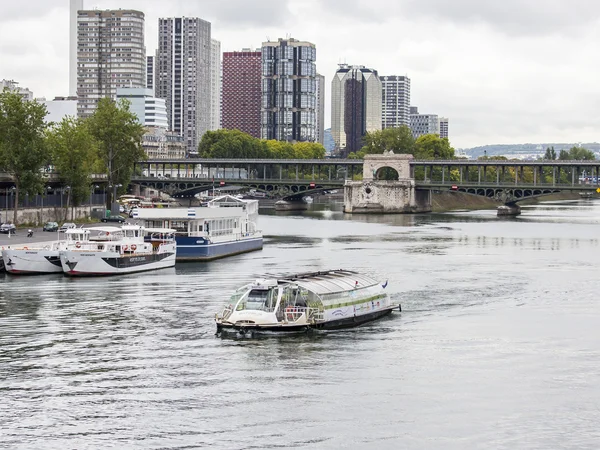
516, 72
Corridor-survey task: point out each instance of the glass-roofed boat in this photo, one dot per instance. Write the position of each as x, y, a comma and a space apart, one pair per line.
330, 299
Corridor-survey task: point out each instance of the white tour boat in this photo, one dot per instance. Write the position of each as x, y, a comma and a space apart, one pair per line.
41, 258
322, 300
112, 251
225, 226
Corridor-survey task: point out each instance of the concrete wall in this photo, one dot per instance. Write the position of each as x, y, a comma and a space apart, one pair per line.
385, 197
53, 214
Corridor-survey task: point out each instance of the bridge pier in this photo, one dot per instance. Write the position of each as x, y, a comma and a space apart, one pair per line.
509, 210
291, 205
374, 196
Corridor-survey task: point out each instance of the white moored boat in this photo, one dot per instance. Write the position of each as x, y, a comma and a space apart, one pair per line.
112, 251
40, 258
321, 300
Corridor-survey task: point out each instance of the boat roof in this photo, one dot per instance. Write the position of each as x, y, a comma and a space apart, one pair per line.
329, 281
160, 230
229, 200
107, 229
77, 231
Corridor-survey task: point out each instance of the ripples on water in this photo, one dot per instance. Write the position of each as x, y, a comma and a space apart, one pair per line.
496, 347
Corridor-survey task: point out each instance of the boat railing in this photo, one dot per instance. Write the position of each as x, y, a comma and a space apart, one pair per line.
295, 313
227, 311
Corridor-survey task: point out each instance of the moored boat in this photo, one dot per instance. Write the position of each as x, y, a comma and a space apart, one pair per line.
113, 251
225, 226
325, 300
41, 258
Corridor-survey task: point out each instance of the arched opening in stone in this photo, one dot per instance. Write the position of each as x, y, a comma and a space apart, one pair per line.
387, 173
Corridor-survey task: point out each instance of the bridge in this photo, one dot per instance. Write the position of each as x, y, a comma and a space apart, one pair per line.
506, 181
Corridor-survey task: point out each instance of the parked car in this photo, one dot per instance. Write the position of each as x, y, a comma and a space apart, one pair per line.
67, 226
119, 219
8, 228
50, 226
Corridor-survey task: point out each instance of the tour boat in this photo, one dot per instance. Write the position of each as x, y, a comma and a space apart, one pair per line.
113, 251
40, 258
326, 300
225, 226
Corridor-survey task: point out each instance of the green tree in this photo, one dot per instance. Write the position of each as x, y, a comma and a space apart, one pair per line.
581, 154
119, 137
431, 146
550, 154
399, 140
74, 152
22, 144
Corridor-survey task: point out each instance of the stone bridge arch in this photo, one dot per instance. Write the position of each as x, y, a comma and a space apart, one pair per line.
374, 165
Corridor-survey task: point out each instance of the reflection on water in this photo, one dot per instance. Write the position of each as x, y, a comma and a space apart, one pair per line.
498, 329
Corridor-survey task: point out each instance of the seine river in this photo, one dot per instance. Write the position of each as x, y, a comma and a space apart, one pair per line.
498, 344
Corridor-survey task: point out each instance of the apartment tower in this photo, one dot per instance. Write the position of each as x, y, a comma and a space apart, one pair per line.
320, 116
288, 110
443, 127
110, 55
355, 107
215, 84
74, 7
395, 101
242, 91
183, 76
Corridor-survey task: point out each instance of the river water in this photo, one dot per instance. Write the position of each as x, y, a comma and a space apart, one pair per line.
497, 346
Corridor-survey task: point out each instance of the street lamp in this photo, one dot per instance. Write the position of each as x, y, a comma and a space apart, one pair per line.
92, 192
12, 192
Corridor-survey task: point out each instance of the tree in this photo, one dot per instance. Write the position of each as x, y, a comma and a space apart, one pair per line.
550, 154
119, 137
22, 144
431, 146
399, 140
74, 151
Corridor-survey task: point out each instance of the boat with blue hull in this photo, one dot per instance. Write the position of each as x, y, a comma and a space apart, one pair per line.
226, 226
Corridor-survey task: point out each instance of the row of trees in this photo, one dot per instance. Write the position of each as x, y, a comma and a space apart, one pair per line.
108, 142
574, 153
237, 144
401, 140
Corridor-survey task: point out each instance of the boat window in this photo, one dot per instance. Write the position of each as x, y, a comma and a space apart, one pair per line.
260, 300
179, 225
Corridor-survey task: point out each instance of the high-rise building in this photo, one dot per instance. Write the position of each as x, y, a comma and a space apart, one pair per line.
320, 116
355, 107
395, 101
443, 127
74, 7
150, 72
150, 111
110, 55
241, 91
288, 111
421, 124
183, 76
215, 84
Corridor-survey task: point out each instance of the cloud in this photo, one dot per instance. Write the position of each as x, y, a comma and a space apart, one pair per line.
515, 71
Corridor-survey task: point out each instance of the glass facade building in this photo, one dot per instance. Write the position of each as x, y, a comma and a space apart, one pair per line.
355, 107
288, 91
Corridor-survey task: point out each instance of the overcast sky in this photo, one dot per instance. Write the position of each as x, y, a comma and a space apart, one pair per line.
516, 71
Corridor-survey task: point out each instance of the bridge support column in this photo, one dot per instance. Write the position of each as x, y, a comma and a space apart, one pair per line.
509, 210
373, 196
291, 205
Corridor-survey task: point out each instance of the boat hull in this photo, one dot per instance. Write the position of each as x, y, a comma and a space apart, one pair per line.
31, 261
336, 324
80, 264
199, 249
